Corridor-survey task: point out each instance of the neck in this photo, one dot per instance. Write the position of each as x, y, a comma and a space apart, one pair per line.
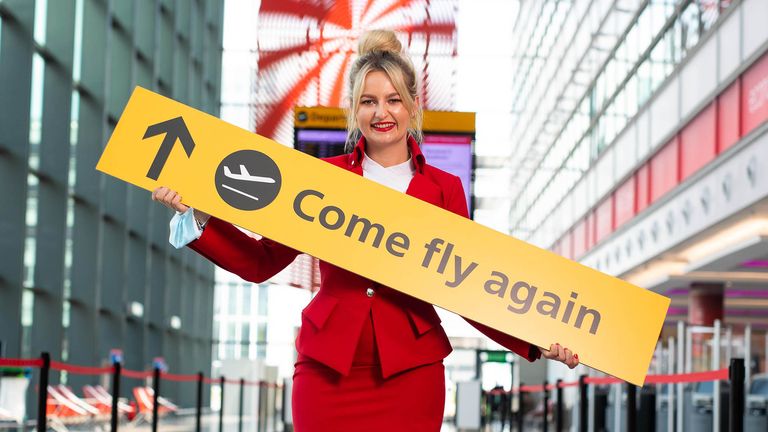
390, 155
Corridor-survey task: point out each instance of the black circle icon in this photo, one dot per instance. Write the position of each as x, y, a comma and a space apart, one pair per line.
248, 180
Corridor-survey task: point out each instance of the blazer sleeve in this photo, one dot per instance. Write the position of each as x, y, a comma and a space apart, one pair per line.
254, 260
456, 202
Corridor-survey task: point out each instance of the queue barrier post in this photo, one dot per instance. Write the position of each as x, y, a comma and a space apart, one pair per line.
221, 410
631, 407
583, 403
559, 407
199, 407
520, 412
736, 376
42, 395
240, 415
156, 389
545, 417
114, 415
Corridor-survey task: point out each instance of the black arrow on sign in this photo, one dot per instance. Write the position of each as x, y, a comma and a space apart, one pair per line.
173, 129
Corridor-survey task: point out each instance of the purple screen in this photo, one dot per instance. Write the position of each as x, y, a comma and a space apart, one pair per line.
451, 153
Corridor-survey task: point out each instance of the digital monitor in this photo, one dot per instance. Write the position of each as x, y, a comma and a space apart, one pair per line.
449, 152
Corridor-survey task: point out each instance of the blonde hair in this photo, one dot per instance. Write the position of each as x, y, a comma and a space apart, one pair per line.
379, 50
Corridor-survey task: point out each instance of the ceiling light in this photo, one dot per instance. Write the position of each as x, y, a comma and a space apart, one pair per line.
726, 238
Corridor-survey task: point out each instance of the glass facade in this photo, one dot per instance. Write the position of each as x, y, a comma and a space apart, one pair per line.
78, 247
240, 319
601, 63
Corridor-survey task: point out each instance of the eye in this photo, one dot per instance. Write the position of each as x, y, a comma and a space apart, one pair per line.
367, 102
395, 100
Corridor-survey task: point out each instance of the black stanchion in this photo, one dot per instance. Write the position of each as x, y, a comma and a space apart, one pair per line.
520, 413
631, 407
221, 411
583, 404
736, 376
273, 414
504, 410
156, 388
42, 398
559, 407
545, 417
261, 423
242, 394
199, 407
113, 421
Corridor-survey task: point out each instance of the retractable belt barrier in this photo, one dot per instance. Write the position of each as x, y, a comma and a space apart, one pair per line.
734, 374
46, 365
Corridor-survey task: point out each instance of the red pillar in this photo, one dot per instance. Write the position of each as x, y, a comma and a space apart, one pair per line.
705, 305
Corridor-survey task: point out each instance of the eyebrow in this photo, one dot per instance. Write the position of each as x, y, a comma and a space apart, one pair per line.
395, 94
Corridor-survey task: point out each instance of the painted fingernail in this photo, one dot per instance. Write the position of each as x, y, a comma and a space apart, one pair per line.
576, 356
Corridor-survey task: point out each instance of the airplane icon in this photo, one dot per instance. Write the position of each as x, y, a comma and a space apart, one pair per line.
247, 179
245, 176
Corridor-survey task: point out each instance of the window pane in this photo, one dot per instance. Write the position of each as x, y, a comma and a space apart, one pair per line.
233, 299
263, 299
246, 303
41, 12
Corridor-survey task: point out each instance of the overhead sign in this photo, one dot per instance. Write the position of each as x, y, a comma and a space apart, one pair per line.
386, 236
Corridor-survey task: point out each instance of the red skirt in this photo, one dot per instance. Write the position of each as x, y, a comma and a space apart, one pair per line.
324, 400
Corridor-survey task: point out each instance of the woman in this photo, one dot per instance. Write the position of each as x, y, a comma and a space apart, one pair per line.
370, 358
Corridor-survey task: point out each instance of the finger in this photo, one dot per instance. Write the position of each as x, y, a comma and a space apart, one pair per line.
178, 206
575, 361
568, 356
156, 193
559, 352
548, 354
162, 194
554, 352
169, 198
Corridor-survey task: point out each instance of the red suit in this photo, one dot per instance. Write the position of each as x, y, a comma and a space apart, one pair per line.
370, 357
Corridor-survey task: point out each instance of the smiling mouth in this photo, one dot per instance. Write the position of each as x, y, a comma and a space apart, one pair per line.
383, 126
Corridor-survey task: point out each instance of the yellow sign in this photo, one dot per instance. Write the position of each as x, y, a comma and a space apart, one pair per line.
384, 235
335, 118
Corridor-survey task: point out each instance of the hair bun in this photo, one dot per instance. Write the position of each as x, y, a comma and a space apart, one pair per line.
379, 40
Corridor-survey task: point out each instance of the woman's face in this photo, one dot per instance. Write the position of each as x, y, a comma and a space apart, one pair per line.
381, 114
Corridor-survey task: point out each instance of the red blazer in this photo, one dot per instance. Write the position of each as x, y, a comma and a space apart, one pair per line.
408, 331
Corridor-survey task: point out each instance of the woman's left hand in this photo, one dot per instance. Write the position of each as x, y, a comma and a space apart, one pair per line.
560, 353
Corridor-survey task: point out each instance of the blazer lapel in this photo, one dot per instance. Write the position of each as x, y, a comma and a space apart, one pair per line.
423, 188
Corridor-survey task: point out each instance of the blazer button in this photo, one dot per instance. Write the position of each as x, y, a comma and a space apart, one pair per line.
369, 292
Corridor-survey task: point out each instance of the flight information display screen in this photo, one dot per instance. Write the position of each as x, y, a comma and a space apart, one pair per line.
449, 152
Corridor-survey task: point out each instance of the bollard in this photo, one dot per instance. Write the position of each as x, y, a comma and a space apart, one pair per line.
221, 411
736, 376
261, 412
115, 416
42, 399
583, 403
242, 393
545, 417
559, 408
631, 408
520, 413
156, 388
199, 410
504, 410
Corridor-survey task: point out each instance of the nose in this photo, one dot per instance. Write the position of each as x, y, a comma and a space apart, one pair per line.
380, 111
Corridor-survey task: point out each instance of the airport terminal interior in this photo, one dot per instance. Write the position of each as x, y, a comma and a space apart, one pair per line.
628, 136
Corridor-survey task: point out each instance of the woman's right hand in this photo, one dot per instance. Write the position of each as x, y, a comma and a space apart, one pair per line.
172, 200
